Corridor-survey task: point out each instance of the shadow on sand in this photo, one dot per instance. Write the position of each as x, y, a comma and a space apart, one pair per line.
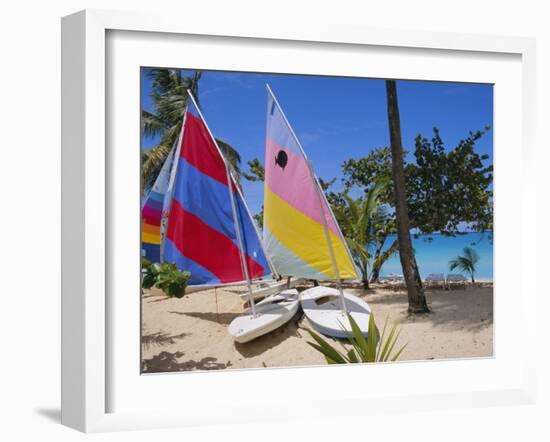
270, 340
168, 362
219, 318
450, 310
160, 339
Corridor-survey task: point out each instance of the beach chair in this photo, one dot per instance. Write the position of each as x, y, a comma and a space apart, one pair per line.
435, 280
456, 280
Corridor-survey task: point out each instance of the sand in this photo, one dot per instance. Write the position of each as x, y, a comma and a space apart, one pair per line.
191, 333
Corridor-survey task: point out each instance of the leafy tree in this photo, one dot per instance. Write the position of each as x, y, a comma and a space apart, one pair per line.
445, 189
466, 263
169, 95
417, 298
356, 218
363, 172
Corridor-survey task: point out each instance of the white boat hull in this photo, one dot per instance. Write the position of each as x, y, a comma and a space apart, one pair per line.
323, 309
271, 313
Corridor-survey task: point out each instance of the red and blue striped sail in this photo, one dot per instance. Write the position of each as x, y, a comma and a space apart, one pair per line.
201, 235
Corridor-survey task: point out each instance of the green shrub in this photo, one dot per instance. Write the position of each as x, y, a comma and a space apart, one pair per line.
166, 277
150, 273
370, 349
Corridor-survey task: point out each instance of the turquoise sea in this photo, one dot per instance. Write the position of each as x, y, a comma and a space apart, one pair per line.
433, 253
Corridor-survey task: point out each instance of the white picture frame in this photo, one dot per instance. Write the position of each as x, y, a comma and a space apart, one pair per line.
88, 167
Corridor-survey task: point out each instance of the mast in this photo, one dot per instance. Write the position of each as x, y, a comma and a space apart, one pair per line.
230, 181
319, 202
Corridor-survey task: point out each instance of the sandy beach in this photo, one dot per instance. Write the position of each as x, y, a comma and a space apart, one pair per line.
191, 333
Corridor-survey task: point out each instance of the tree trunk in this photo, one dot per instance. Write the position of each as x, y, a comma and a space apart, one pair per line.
365, 277
381, 259
375, 273
417, 299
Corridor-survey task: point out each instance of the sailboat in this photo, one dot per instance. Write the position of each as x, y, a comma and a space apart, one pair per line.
152, 211
196, 217
301, 235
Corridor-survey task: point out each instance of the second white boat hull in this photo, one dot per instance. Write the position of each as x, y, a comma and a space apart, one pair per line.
271, 313
323, 309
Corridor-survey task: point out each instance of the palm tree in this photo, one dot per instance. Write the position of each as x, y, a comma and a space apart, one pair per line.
466, 263
169, 94
357, 218
415, 292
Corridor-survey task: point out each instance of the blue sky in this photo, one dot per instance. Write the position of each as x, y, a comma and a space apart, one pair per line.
334, 118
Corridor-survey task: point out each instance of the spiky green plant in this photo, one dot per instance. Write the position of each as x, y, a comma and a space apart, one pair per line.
370, 349
466, 263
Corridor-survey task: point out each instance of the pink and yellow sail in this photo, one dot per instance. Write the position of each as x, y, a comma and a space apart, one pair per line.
300, 232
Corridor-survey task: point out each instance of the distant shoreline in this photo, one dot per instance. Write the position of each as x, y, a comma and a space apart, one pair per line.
433, 256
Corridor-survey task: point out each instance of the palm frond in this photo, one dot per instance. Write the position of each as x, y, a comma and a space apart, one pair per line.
471, 255
466, 263
152, 161
356, 217
151, 124
170, 98
373, 195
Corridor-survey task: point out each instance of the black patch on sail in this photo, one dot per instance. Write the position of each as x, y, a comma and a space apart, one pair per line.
281, 159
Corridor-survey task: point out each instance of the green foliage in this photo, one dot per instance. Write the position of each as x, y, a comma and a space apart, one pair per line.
257, 171
166, 277
151, 163
466, 263
370, 349
150, 274
259, 218
363, 172
357, 218
444, 189
326, 184
233, 158
169, 96
380, 257
256, 174
172, 281
450, 188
